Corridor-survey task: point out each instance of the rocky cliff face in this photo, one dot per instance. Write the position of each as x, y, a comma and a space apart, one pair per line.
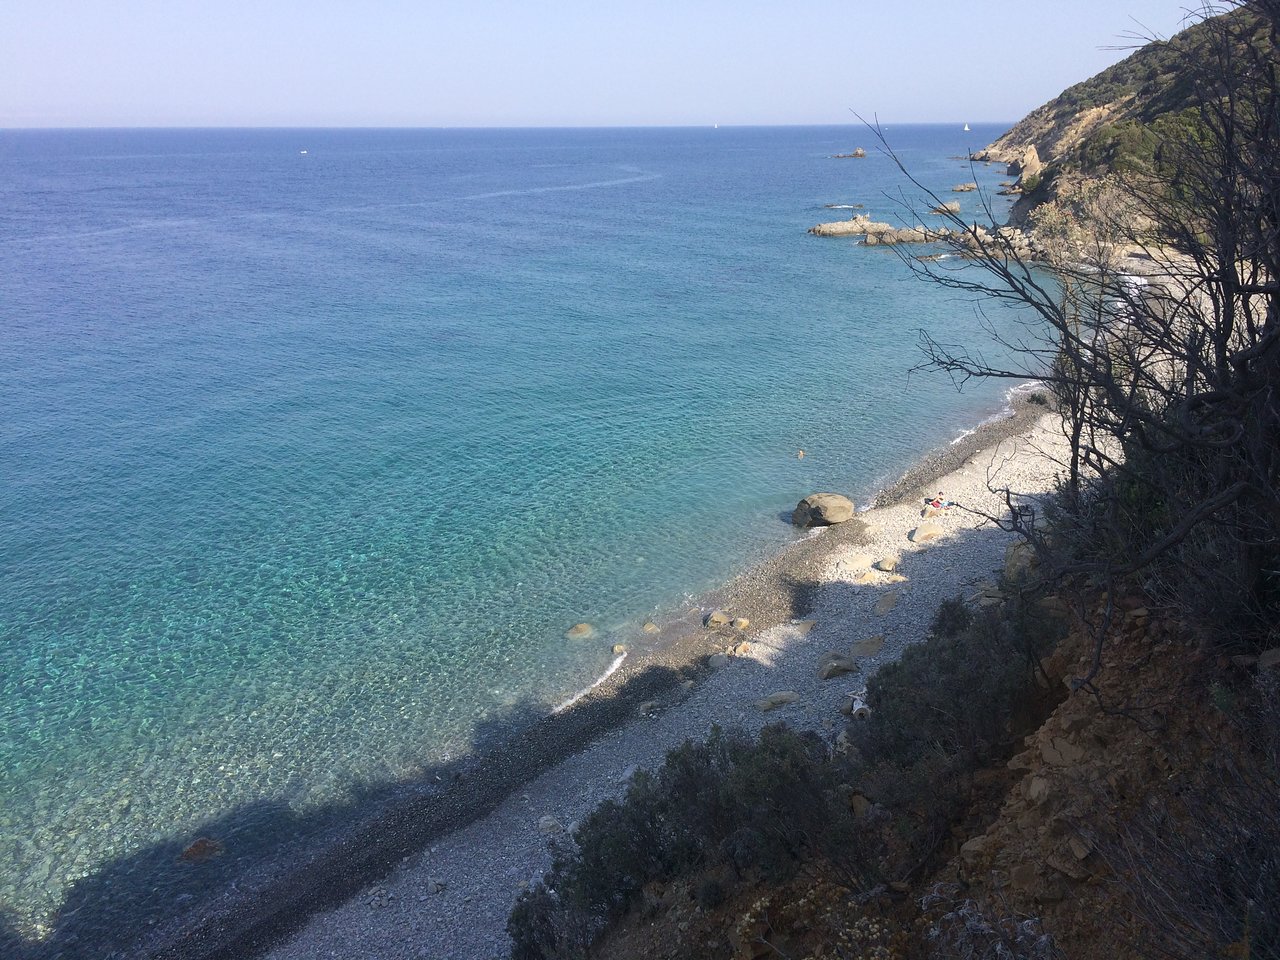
1111, 122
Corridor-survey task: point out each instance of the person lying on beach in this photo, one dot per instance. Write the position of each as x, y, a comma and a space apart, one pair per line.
938, 503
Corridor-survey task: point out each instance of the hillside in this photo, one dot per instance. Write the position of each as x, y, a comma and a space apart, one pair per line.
1115, 121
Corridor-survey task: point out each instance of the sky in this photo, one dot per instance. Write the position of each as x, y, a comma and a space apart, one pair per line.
321, 63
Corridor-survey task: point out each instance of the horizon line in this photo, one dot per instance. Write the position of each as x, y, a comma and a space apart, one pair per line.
553, 126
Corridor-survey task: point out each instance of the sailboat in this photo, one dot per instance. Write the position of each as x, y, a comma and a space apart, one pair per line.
966, 128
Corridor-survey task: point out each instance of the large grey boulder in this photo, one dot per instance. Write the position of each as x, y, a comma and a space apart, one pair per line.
822, 510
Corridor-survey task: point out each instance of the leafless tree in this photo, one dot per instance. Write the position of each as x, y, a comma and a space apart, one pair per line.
1168, 382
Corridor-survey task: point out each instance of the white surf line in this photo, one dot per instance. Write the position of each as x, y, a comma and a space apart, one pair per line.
613, 668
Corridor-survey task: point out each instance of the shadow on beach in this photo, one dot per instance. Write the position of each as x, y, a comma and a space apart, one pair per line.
276, 866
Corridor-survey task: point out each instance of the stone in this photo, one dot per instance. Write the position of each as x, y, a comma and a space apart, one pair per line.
1038, 790
822, 510
929, 530
964, 187
550, 826
580, 631
952, 206
200, 850
804, 626
868, 647
1068, 866
1019, 561
651, 627
775, 700
740, 623
435, 886
619, 648
887, 564
1060, 752
859, 804
972, 850
1269, 659
1023, 878
718, 661
717, 618
742, 649
864, 578
1079, 847
1026, 166
835, 665
886, 603
648, 707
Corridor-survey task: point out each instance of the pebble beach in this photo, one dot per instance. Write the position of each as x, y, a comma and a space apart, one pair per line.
862, 590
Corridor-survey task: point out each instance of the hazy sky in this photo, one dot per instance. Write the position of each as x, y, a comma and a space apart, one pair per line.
550, 62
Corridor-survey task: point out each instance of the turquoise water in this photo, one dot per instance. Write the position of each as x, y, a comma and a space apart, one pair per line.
308, 460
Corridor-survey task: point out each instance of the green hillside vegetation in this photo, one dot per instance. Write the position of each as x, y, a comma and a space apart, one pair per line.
1148, 99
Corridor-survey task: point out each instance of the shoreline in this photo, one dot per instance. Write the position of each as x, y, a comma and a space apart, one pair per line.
403, 836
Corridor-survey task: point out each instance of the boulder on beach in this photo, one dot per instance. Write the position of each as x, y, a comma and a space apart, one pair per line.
951, 206
886, 603
835, 664
717, 618
580, 631
887, 564
929, 530
822, 510
775, 700
549, 826
619, 648
868, 647
718, 660
651, 627
740, 623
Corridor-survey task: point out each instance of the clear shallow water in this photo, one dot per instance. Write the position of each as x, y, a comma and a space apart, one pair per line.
307, 461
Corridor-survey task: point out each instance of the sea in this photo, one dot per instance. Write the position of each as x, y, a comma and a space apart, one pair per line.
314, 444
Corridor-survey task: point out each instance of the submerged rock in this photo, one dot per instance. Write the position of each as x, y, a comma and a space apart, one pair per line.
579, 631
717, 618
200, 850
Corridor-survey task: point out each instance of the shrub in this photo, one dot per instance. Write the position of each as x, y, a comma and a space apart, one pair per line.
953, 616
769, 807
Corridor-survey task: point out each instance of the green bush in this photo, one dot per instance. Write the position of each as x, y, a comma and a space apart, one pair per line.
765, 807
768, 807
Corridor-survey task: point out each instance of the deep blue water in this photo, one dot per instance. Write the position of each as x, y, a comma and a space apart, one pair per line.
308, 460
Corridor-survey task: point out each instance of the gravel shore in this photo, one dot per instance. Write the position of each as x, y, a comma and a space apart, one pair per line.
821, 595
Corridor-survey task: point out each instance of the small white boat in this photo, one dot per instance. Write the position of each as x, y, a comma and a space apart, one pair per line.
304, 153
966, 130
